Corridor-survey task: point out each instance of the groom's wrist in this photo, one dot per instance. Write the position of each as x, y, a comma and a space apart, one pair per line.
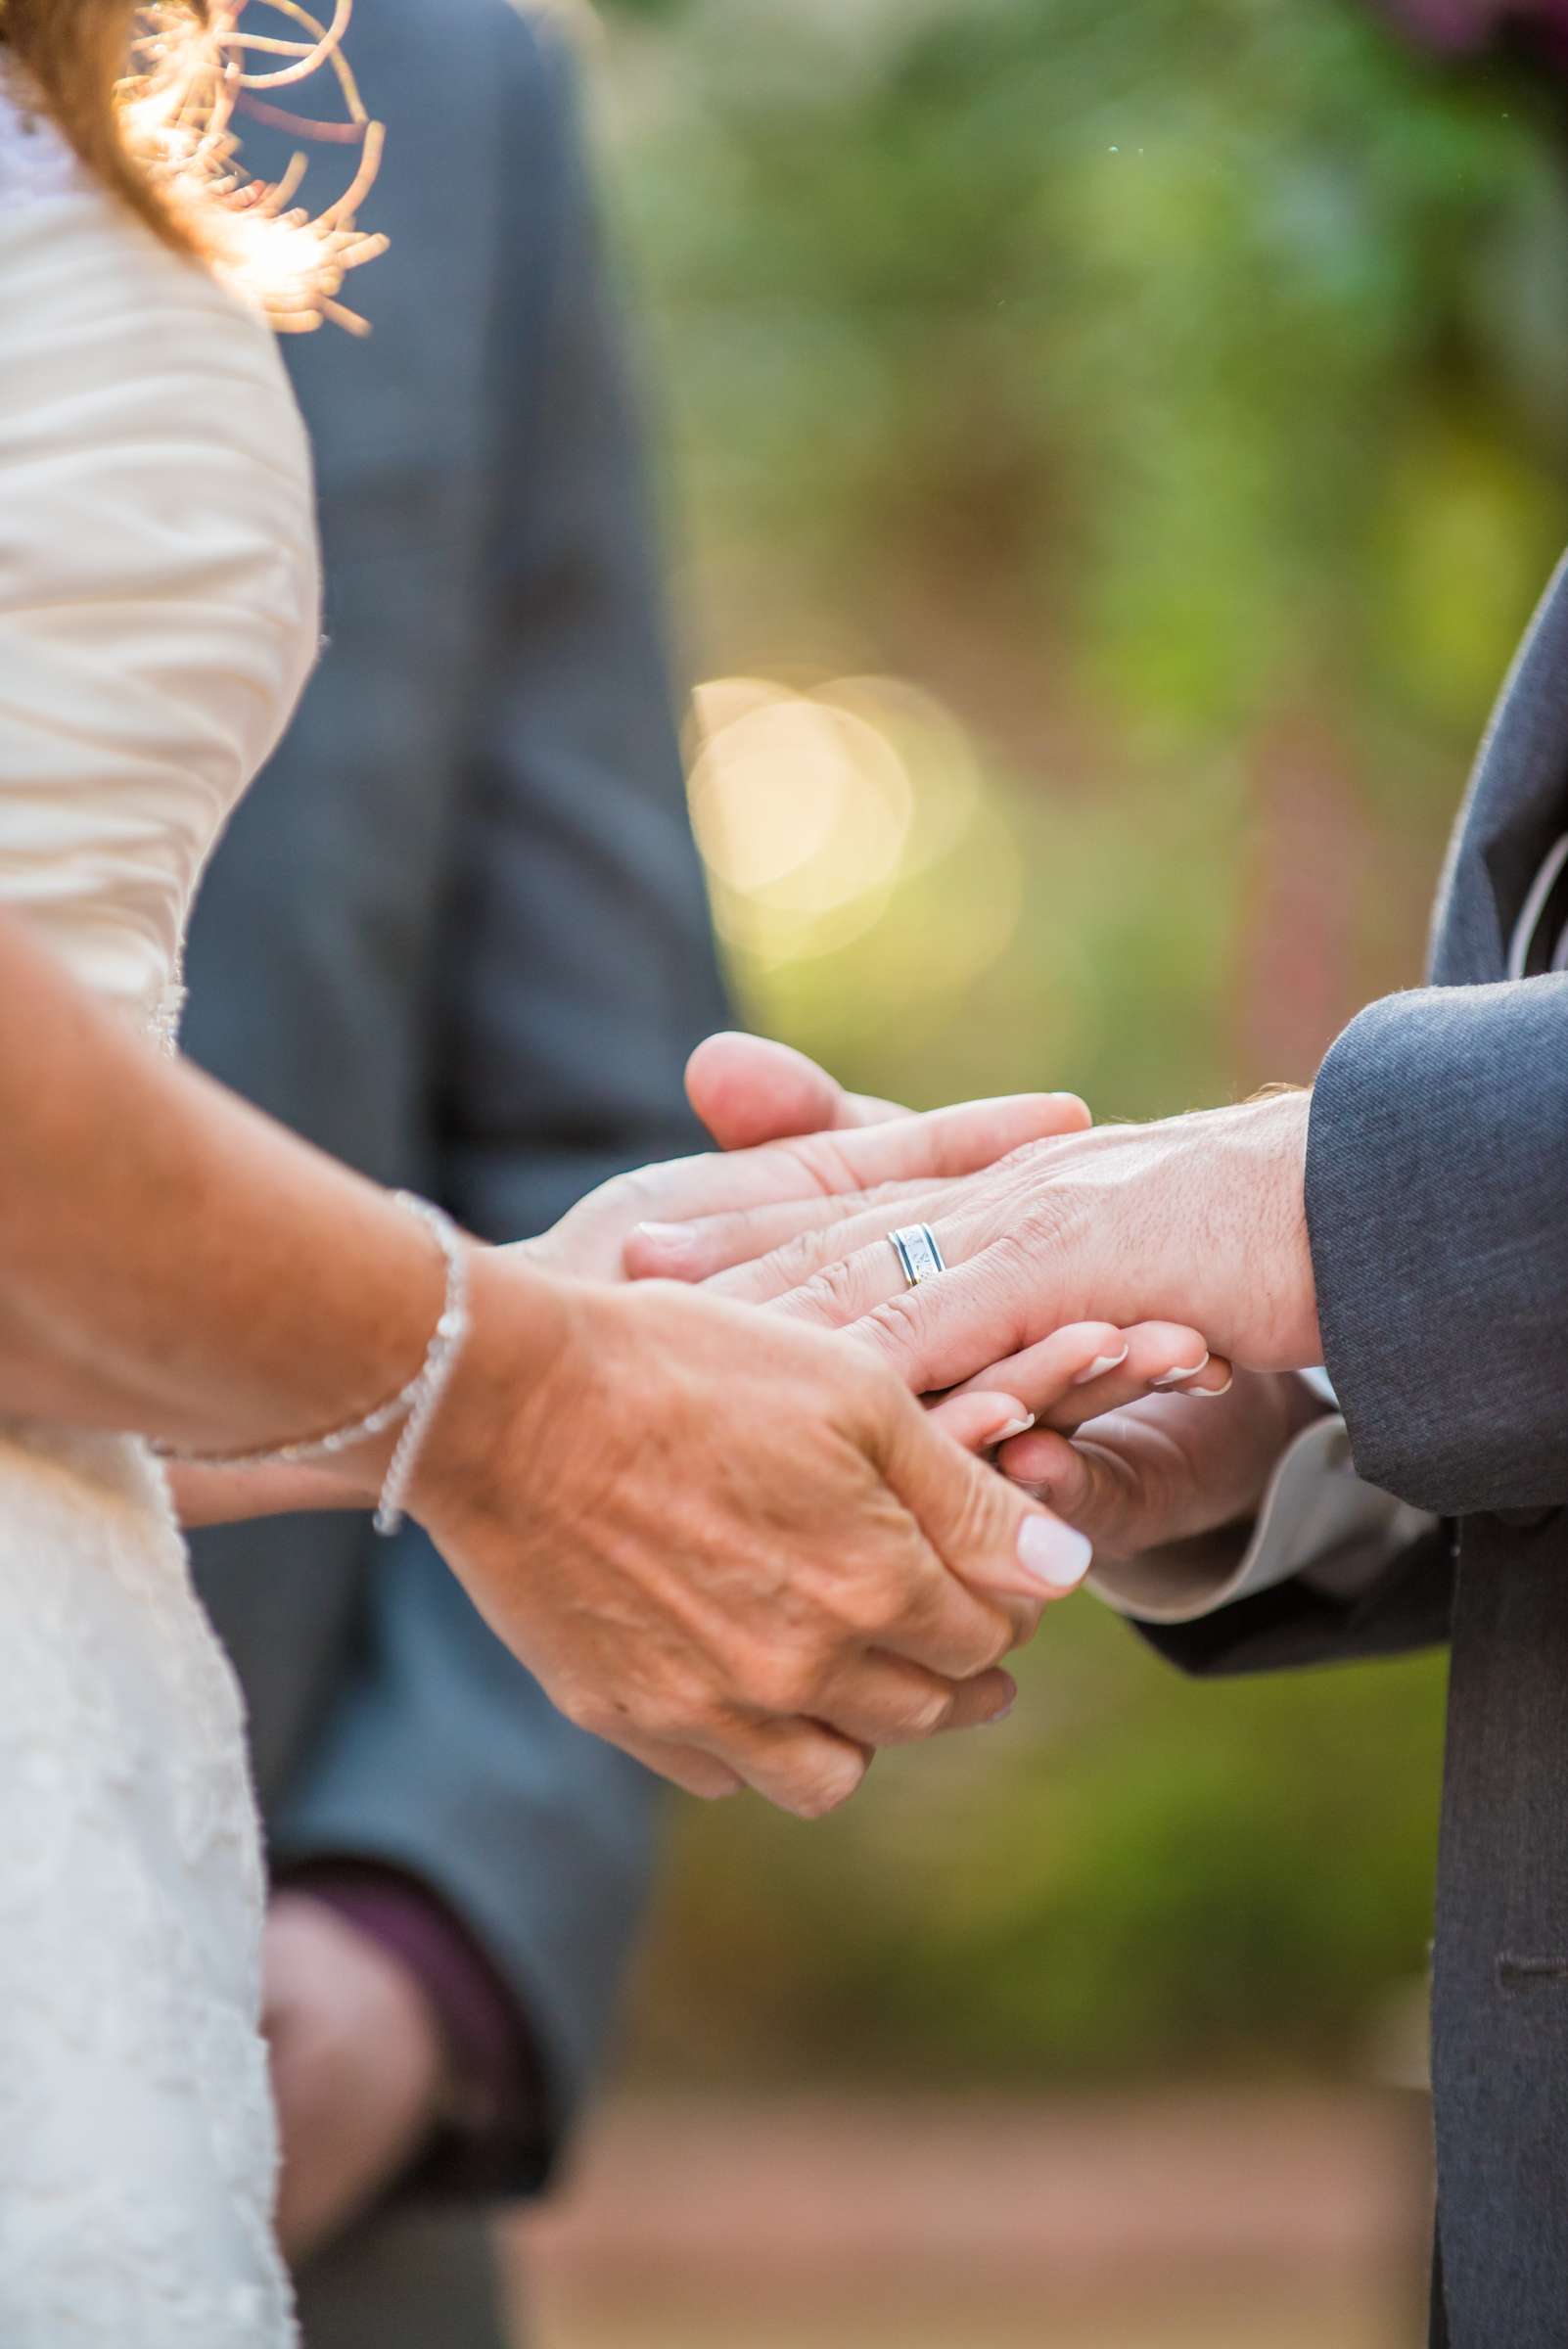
1232, 1227
1278, 1306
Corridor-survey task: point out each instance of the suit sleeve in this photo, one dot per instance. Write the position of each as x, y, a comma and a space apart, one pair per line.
1436, 1181
577, 972
1437, 1176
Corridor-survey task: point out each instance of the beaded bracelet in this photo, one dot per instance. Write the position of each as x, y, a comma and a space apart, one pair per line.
415, 1405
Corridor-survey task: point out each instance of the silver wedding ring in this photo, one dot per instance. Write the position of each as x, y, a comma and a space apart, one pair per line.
916, 1250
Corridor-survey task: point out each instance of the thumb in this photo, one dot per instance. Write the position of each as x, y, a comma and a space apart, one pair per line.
986, 1531
747, 1089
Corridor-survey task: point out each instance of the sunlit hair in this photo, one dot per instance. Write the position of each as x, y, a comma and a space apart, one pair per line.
148, 96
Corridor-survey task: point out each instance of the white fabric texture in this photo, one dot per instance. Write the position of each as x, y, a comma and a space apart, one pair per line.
1318, 1520
158, 611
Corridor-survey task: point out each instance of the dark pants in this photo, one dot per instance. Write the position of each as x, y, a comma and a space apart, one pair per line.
406, 2280
1438, 2336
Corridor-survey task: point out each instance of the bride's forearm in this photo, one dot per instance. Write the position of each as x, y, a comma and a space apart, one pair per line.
174, 1261
206, 1496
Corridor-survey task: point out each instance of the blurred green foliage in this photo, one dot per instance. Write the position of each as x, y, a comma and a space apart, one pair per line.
1180, 391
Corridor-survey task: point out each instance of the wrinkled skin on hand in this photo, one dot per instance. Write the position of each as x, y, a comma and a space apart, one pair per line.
738, 1549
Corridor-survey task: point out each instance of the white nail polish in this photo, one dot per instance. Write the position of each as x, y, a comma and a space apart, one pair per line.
1212, 1394
1099, 1366
1054, 1554
1014, 1427
1177, 1378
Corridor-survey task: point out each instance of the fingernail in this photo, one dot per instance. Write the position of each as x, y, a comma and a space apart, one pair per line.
1098, 1367
670, 1236
1054, 1554
1212, 1394
1001, 1713
1014, 1427
1175, 1378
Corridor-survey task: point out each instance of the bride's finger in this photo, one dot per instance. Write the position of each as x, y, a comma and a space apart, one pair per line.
688, 1767
1046, 1377
1162, 1359
980, 1704
723, 1249
981, 1417
906, 1705
1151, 1357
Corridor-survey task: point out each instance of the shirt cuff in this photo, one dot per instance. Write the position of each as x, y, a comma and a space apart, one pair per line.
1318, 1520
493, 2085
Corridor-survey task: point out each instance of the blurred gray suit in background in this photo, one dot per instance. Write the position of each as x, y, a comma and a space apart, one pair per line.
458, 937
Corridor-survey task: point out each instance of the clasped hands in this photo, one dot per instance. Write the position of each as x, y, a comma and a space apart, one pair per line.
1187, 1239
731, 1540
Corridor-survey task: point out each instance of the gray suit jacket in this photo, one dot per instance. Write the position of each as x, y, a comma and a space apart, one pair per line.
458, 937
1437, 1189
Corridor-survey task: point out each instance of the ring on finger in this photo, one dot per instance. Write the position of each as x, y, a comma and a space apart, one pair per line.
919, 1256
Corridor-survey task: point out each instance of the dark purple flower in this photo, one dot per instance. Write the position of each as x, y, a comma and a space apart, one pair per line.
1467, 25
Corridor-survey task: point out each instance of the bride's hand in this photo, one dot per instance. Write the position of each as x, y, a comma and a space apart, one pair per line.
736, 1549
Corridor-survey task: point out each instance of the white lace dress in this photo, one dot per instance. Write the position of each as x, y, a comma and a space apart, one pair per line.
157, 615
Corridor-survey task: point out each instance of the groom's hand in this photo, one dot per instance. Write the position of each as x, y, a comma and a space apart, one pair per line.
1160, 1472
1199, 1220
792, 1142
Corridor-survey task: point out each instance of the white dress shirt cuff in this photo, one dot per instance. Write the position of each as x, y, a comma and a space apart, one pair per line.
1317, 1521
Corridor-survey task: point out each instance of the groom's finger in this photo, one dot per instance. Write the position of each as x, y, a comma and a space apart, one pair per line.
749, 1090
1102, 1487
743, 1254
979, 1311
942, 1145
793, 1260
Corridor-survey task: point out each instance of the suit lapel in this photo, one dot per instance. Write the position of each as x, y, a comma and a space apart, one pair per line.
1517, 806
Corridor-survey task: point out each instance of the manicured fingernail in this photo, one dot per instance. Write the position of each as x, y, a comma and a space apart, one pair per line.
1014, 1427
1177, 1378
1054, 1554
1098, 1367
1210, 1393
672, 1237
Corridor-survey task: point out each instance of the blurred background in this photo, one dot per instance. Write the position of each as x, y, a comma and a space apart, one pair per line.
1111, 452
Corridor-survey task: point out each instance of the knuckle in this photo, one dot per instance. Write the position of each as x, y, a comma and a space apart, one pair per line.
835, 1288
782, 1682
674, 1717
873, 1602
925, 1715
826, 1783
994, 1641
897, 1326
589, 1711
797, 1257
